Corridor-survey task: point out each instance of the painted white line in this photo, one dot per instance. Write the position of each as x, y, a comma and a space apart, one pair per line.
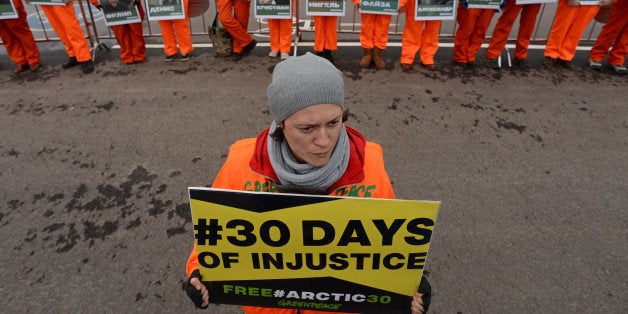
356, 44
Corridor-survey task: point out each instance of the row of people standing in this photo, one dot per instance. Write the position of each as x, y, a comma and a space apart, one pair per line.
421, 37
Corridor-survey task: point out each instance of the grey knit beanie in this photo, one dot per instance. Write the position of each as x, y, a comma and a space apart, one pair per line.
300, 82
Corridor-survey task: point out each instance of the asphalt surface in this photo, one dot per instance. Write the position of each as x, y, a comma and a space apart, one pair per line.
530, 167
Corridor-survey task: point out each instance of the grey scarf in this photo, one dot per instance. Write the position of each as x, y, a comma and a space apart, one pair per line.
296, 177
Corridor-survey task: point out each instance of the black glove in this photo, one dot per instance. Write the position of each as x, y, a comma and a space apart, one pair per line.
195, 295
99, 7
426, 290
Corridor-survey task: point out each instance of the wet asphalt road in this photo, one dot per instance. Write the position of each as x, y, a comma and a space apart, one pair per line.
530, 167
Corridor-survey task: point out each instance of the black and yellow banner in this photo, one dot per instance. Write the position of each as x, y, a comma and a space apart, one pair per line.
311, 252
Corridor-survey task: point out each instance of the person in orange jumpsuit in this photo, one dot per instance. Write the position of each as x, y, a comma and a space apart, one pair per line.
325, 36
64, 22
416, 37
472, 27
373, 37
308, 132
504, 26
570, 21
130, 36
614, 33
19, 41
234, 17
280, 34
177, 31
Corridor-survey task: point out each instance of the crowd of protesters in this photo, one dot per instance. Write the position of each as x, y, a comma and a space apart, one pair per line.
570, 21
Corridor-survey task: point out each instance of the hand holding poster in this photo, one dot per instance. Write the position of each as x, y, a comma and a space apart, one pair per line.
119, 12
7, 10
311, 252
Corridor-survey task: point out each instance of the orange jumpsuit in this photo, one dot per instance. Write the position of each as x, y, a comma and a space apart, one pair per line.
130, 37
504, 26
374, 32
280, 32
569, 25
18, 38
325, 33
613, 33
234, 17
64, 22
472, 27
173, 31
416, 38
248, 168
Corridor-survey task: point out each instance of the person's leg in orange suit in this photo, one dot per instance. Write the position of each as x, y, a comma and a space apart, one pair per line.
136, 32
382, 24
122, 33
613, 34
527, 20
380, 39
285, 35
175, 32
415, 37
325, 36
504, 26
234, 17
429, 43
466, 19
367, 32
64, 22
19, 41
273, 36
569, 25
479, 33
583, 17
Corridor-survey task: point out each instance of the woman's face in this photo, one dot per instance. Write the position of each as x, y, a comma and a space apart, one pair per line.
312, 133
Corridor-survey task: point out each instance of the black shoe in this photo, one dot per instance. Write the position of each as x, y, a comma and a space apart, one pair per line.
493, 63
87, 66
71, 63
523, 63
236, 56
169, 58
549, 62
185, 57
471, 65
247, 49
327, 55
565, 64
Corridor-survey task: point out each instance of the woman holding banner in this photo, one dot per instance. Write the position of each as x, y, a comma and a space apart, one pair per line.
307, 149
19, 41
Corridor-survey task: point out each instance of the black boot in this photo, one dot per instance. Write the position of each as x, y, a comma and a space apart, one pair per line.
87, 66
71, 62
327, 55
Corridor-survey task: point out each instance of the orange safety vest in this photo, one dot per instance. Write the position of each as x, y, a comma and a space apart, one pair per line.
248, 168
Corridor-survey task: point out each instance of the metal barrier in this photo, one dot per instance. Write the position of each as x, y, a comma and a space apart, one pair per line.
92, 21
